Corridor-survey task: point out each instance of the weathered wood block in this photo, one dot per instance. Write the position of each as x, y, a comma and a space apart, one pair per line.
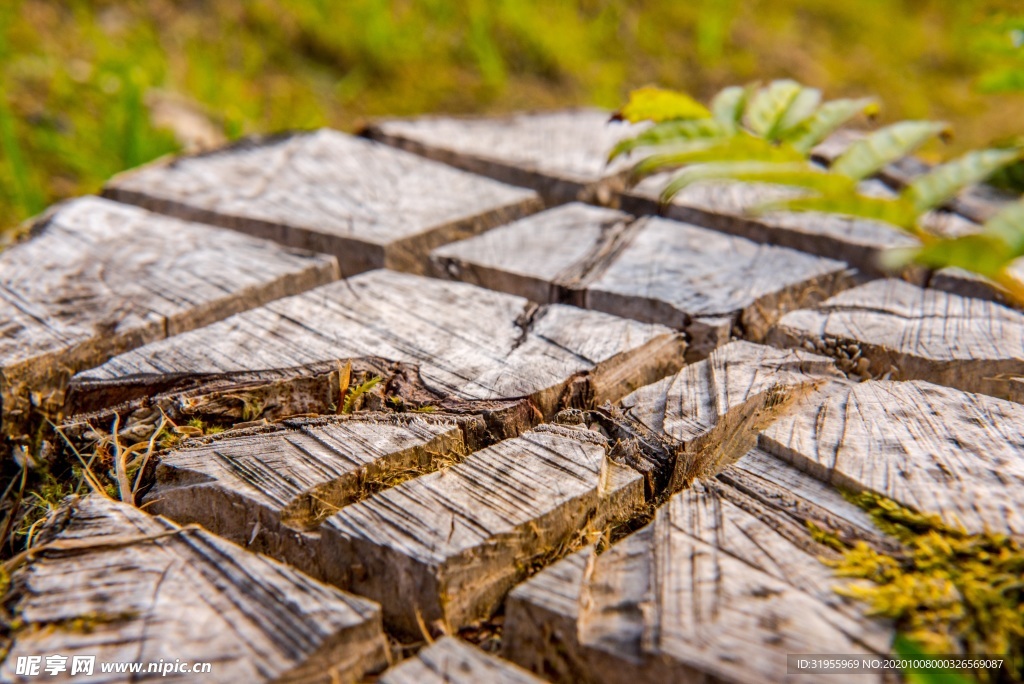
452, 661
934, 449
893, 329
729, 206
124, 586
368, 204
563, 155
706, 283
264, 487
709, 413
468, 343
721, 586
97, 278
443, 549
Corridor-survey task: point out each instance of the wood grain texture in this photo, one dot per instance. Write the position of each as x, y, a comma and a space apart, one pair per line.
97, 278
451, 661
709, 413
446, 547
721, 586
368, 204
655, 270
893, 329
934, 449
468, 343
728, 206
125, 586
562, 154
264, 487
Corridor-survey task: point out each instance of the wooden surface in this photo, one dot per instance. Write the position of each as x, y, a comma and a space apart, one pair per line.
563, 155
124, 586
468, 343
451, 661
930, 448
892, 329
721, 586
709, 413
97, 278
368, 204
443, 549
651, 269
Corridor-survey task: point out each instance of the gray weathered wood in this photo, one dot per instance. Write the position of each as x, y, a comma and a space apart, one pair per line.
728, 205
469, 343
451, 661
97, 278
893, 329
368, 204
124, 586
722, 585
441, 551
263, 487
934, 449
562, 154
709, 413
1017, 390
650, 269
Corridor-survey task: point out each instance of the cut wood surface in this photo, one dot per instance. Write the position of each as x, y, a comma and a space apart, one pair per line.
728, 206
440, 551
722, 585
934, 449
650, 269
124, 586
709, 413
563, 155
468, 342
97, 278
368, 204
893, 329
263, 487
452, 661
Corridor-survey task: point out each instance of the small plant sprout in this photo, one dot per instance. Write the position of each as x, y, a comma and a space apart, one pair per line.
766, 134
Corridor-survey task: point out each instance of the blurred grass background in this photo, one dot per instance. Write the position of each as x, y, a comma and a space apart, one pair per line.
89, 88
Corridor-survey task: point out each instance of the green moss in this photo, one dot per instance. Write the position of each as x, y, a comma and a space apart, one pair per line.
950, 591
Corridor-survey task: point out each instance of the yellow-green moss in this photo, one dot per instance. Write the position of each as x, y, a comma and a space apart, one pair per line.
950, 591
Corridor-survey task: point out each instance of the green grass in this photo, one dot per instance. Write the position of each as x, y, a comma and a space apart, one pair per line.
76, 77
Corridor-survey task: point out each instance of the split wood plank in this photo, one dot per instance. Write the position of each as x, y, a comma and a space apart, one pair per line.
440, 551
894, 329
656, 270
124, 586
452, 661
562, 154
1017, 390
469, 343
721, 586
930, 448
368, 204
709, 414
97, 278
729, 206
263, 487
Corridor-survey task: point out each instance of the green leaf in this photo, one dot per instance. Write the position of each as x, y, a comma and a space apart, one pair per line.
866, 157
1008, 226
727, 106
671, 131
739, 148
907, 649
983, 254
898, 212
802, 175
657, 104
943, 182
802, 107
769, 105
825, 121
